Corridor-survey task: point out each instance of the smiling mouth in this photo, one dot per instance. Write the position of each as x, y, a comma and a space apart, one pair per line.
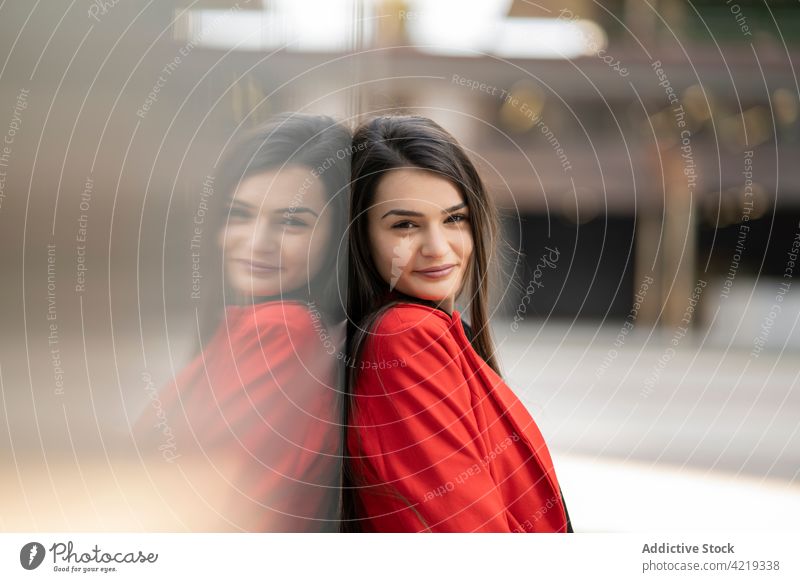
437, 272
257, 267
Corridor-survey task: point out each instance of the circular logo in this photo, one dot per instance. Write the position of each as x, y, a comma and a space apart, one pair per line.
31, 555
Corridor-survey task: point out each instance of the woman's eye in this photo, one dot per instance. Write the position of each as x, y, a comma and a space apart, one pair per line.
293, 222
236, 212
457, 218
405, 225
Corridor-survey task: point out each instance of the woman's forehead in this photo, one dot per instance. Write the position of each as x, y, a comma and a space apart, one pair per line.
291, 186
417, 188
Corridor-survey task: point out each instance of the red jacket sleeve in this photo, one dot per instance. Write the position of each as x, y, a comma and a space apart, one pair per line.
260, 411
419, 434
287, 417
283, 377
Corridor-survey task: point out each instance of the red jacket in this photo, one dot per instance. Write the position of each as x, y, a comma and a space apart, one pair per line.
261, 407
438, 436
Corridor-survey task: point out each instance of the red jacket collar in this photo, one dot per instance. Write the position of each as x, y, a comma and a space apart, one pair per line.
402, 298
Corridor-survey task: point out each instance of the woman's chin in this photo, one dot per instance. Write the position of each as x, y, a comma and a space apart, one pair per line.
257, 291
257, 288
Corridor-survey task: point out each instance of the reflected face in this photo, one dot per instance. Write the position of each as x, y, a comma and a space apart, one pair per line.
276, 234
419, 230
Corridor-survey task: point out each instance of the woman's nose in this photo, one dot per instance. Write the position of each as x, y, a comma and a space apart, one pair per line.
435, 243
264, 239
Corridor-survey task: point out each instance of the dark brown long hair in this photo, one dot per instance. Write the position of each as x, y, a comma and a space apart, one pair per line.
389, 143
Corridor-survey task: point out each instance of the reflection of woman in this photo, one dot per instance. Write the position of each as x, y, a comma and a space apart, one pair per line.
436, 440
260, 400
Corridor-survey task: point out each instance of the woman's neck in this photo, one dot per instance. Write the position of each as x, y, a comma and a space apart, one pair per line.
240, 299
446, 306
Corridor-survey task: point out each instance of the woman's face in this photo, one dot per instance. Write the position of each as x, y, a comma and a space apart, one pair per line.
276, 234
420, 235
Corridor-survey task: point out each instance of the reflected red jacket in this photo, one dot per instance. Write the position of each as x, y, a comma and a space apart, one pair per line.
263, 396
439, 440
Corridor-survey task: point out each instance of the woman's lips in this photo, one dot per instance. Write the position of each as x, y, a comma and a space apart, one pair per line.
258, 268
437, 272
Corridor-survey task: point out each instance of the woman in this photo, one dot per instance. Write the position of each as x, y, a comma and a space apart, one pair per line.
436, 440
255, 416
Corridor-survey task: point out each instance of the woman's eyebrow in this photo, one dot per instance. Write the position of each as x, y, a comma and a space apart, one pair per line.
297, 210
239, 202
400, 212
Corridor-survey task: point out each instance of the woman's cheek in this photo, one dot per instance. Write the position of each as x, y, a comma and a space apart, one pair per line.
308, 253
234, 237
224, 239
382, 248
402, 251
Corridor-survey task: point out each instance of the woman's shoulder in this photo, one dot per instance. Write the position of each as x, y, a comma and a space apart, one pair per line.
417, 331
290, 313
409, 317
293, 321
408, 346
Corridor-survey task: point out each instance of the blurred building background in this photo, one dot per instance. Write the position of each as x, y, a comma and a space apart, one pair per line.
647, 149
